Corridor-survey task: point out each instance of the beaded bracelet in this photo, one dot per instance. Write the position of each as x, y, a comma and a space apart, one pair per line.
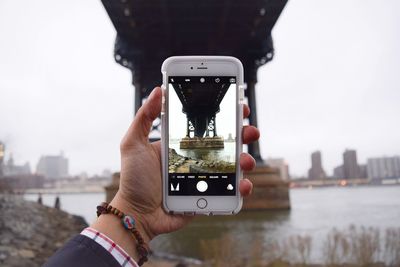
129, 223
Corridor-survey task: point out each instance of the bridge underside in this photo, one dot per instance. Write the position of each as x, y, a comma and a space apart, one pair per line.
150, 31
201, 103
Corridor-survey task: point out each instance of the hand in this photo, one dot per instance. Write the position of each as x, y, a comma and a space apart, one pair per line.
140, 190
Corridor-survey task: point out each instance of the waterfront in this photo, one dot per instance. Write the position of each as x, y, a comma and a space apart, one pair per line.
314, 212
226, 154
82, 204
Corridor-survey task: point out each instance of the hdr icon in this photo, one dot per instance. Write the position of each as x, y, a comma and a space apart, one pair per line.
176, 188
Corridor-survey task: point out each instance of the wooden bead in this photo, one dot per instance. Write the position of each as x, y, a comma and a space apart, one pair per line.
142, 251
129, 223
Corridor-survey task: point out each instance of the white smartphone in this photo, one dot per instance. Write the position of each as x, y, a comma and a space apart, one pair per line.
202, 118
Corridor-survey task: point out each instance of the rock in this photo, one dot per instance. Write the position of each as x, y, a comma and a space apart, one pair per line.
26, 253
5, 241
30, 233
3, 256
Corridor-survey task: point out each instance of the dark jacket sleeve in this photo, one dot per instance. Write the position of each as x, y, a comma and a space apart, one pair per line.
82, 251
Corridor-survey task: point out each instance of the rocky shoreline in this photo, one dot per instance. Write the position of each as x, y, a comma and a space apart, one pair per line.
30, 233
181, 164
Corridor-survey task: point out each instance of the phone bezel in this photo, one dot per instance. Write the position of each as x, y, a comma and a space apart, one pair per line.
202, 66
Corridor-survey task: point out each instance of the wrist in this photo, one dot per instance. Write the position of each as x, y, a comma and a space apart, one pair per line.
141, 224
111, 223
110, 226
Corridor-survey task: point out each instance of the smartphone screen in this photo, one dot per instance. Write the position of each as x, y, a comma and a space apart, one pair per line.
202, 127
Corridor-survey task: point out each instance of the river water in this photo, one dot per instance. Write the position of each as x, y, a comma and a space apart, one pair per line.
314, 212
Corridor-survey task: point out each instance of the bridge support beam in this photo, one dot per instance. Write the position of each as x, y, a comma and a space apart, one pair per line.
253, 148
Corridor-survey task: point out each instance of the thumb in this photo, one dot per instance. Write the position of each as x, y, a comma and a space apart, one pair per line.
140, 128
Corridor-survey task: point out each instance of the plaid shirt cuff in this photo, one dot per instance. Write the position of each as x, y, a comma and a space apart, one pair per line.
116, 251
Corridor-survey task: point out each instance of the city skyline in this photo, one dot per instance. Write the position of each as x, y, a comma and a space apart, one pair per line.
376, 160
378, 167
319, 92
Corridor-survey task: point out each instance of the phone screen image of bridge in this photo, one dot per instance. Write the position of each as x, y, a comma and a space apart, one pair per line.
202, 124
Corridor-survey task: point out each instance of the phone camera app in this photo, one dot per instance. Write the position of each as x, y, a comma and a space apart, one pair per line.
202, 134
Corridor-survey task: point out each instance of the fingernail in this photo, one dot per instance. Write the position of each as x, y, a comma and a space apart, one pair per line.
151, 96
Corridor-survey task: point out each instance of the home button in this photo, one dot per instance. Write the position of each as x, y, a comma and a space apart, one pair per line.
201, 203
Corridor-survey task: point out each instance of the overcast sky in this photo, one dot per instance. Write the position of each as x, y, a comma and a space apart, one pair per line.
333, 84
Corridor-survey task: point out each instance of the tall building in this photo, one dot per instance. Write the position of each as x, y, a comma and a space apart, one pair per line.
363, 171
384, 167
282, 165
350, 166
338, 172
53, 166
316, 171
